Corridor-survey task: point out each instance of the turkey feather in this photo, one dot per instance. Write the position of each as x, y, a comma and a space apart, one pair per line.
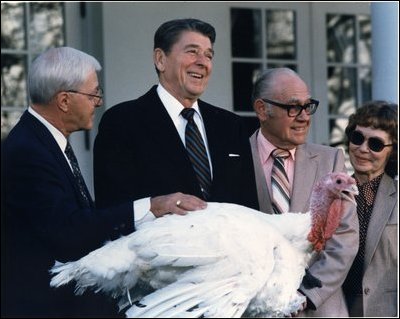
224, 261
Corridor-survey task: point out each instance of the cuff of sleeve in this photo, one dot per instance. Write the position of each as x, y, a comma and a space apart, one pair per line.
142, 214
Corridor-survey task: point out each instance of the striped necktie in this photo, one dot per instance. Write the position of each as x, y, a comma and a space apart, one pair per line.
85, 196
197, 152
280, 182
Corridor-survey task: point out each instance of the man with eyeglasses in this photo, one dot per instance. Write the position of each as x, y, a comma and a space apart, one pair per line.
284, 107
47, 212
96, 98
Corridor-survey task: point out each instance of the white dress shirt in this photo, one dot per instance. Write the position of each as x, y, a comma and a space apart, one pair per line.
174, 109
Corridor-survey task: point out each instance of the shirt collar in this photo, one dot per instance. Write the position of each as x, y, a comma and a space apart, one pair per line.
172, 105
267, 147
58, 136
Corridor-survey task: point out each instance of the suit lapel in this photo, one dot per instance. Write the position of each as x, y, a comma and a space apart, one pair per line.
264, 199
162, 134
47, 139
383, 207
303, 182
214, 141
210, 124
162, 131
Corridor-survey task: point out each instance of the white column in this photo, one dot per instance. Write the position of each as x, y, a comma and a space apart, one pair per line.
385, 54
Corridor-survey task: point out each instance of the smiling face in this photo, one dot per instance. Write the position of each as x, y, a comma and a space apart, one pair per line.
368, 164
280, 129
186, 69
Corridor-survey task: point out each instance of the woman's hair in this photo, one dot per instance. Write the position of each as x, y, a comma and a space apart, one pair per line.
380, 115
59, 69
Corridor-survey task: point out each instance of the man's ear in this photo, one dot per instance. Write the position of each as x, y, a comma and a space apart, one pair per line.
260, 109
63, 99
159, 59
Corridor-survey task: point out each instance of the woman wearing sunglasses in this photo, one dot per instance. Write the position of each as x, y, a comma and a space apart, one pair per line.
371, 284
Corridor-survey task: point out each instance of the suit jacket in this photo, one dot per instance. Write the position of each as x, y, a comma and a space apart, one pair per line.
379, 282
138, 153
44, 220
331, 265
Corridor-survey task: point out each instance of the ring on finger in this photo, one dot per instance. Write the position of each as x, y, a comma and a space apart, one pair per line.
178, 202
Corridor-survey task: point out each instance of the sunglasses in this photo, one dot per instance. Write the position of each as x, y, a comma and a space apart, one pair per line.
375, 144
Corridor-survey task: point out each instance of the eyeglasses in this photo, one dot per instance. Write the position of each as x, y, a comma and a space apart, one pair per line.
295, 110
374, 143
98, 97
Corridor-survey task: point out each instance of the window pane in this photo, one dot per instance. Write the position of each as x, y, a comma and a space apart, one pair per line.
8, 120
244, 76
246, 33
13, 80
364, 43
338, 139
342, 90
46, 26
341, 38
281, 41
366, 84
12, 26
336, 129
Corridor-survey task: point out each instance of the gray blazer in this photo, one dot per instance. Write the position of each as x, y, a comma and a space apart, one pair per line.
381, 249
332, 265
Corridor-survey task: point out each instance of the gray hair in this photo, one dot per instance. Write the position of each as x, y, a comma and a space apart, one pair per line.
59, 69
265, 83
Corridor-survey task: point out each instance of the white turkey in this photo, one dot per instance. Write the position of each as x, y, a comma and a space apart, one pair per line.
225, 261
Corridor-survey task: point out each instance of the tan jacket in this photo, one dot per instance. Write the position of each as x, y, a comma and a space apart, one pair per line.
332, 265
381, 249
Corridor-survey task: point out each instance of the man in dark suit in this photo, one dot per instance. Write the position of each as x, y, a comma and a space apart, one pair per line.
48, 212
141, 147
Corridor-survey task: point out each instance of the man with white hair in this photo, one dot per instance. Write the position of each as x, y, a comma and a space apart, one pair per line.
48, 212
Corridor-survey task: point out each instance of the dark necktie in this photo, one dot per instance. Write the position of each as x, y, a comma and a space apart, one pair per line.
280, 182
197, 152
77, 174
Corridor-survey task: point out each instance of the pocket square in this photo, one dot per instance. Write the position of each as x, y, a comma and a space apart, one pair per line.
234, 155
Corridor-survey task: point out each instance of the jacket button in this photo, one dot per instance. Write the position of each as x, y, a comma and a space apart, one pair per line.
366, 291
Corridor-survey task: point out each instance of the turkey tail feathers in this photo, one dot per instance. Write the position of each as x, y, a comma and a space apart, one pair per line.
189, 300
111, 268
65, 273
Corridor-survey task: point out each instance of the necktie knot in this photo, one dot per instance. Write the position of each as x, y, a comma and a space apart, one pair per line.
188, 113
280, 153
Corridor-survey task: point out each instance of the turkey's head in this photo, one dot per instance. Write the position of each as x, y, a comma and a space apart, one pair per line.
327, 205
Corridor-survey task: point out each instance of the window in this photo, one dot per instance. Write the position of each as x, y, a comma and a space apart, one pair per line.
328, 44
348, 69
27, 29
260, 39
